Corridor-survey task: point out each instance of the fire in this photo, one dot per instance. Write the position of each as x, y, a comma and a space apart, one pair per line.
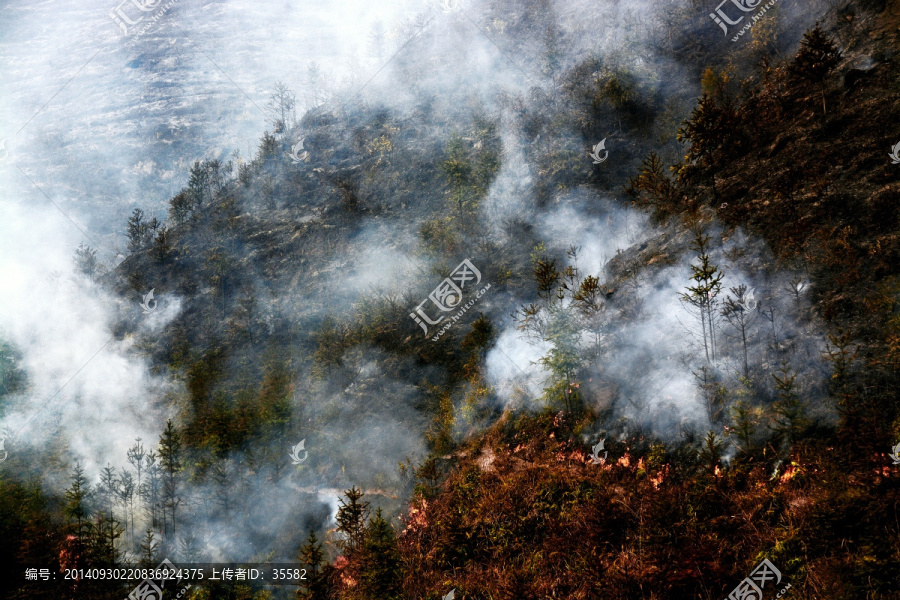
625, 461
790, 472
69, 555
660, 477
341, 563
416, 518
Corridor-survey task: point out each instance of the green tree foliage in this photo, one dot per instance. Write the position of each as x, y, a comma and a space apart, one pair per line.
789, 411
163, 248
170, 456
86, 260
710, 453
78, 498
275, 394
12, 376
140, 232
199, 189
816, 59
746, 421
149, 550
652, 188
318, 572
268, 147
713, 395
714, 133
618, 92
351, 520
458, 170
702, 293
30, 535
380, 571
180, 207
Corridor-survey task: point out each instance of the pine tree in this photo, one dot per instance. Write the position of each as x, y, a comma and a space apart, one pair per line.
220, 478
790, 410
102, 549
380, 572
180, 207
149, 548
652, 187
712, 393
77, 497
351, 520
817, 57
457, 168
711, 452
268, 146
715, 134
702, 294
136, 455
126, 496
746, 420
316, 586
107, 492
151, 493
136, 231
547, 278
198, 185
170, 461
86, 260
190, 548
162, 244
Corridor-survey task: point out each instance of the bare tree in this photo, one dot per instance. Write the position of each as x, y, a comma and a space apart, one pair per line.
796, 288
282, 103
740, 311
377, 41
315, 80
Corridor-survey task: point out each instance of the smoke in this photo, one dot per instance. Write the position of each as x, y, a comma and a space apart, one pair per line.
90, 391
103, 123
649, 363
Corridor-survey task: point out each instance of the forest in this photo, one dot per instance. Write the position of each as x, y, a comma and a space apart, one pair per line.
658, 278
